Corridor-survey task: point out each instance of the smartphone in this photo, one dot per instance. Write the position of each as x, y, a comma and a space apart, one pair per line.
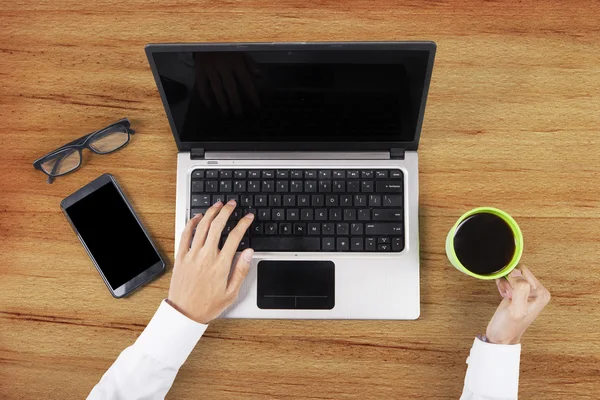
113, 236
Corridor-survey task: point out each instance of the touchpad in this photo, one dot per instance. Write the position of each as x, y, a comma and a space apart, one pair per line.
308, 285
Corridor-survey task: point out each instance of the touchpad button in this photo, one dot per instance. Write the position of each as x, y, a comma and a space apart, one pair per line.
308, 285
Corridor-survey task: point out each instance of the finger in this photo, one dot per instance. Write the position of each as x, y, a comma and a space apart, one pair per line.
236, 235
527, 274
240, 271
232, 92
204, 226
520, 297
217, 87
504, 288
187, 235
248, 84
217, 226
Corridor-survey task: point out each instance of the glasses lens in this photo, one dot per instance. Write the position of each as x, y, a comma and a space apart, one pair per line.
110, 139
62, 162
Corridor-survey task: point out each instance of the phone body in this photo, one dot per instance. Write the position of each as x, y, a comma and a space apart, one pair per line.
113, 236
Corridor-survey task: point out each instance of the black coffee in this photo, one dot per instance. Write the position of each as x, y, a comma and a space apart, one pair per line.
484, 243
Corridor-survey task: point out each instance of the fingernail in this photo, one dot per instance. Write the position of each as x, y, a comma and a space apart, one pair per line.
218, 204
231, 202
249, 215
248, 255
515, 273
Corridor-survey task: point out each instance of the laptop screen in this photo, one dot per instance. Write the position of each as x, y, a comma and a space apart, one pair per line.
294, 96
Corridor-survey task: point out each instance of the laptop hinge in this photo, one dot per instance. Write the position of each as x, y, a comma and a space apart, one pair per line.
396, 153
197, 154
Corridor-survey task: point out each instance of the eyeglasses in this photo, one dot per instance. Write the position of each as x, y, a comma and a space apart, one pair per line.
67, 158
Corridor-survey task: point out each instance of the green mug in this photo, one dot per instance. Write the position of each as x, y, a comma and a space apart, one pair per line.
518, 235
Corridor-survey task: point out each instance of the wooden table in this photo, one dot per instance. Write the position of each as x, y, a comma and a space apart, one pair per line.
512, 121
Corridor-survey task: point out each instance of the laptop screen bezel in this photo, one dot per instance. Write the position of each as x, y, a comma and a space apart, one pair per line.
427, 46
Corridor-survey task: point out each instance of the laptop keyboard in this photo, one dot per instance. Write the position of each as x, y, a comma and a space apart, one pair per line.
301, 210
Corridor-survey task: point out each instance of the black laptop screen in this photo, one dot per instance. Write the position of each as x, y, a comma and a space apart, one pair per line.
299, 96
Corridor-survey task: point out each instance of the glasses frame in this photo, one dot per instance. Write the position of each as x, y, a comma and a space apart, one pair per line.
80, 144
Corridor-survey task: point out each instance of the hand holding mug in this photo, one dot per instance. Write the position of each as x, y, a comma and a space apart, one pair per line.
524, 298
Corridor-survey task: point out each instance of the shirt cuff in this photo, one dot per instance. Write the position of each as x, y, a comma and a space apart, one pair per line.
493, 369
170, 336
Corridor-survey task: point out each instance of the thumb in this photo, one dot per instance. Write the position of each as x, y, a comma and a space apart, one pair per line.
240, 271
520, 288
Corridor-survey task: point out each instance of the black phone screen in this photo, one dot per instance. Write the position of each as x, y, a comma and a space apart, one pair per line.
113, 235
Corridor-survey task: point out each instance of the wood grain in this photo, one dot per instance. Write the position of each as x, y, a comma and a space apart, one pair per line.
512, 121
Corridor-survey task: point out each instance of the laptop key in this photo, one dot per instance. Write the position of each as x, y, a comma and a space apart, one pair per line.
198, 174
352, 174
366, 174
317, 200
226, 174
364, 214
254, 186
218, 197
249, 211
296, 186
239, 186
366, 186
325, 174
212, 186
257, 228
199, 200
268, 186
397, 244
285, 228
335, 214
324, 186
270, 229
236, 215
303, 200
356, 244
196, 211
306, 214
339, 186
328, 228
282, 186
264, 214
233, 197
328, 244
383, 247
278, 214
269, 173
392, 200
352, 186
383, 240
289, 200
331, 200
387, 214
310, 174
282, 173
383, 229
314, 229
197, 186
253, 173
275, 200
342, 229
389, 186
247, 200
299, 229
239, 174
349, 214
356, 229
310, 186
292, 214
370, 244
300, 243
212, 173
321, 214
342, 244
296, 174
225, 186
260, 200
381, 174
395, 173
346, 200
374, 200
244, 243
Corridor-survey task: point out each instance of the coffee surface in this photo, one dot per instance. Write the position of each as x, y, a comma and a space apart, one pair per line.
484, 243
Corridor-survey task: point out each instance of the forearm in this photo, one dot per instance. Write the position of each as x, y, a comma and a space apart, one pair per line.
148, 368
493, 372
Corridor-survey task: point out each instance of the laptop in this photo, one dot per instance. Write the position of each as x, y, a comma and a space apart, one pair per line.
319, 141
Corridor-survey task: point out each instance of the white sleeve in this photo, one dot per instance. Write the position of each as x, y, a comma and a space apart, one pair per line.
147, 369
493, 372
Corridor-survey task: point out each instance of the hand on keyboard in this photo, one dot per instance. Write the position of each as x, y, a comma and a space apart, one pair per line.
202, 286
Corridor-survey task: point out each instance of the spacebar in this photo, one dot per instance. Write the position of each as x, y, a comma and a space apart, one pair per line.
262, 243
